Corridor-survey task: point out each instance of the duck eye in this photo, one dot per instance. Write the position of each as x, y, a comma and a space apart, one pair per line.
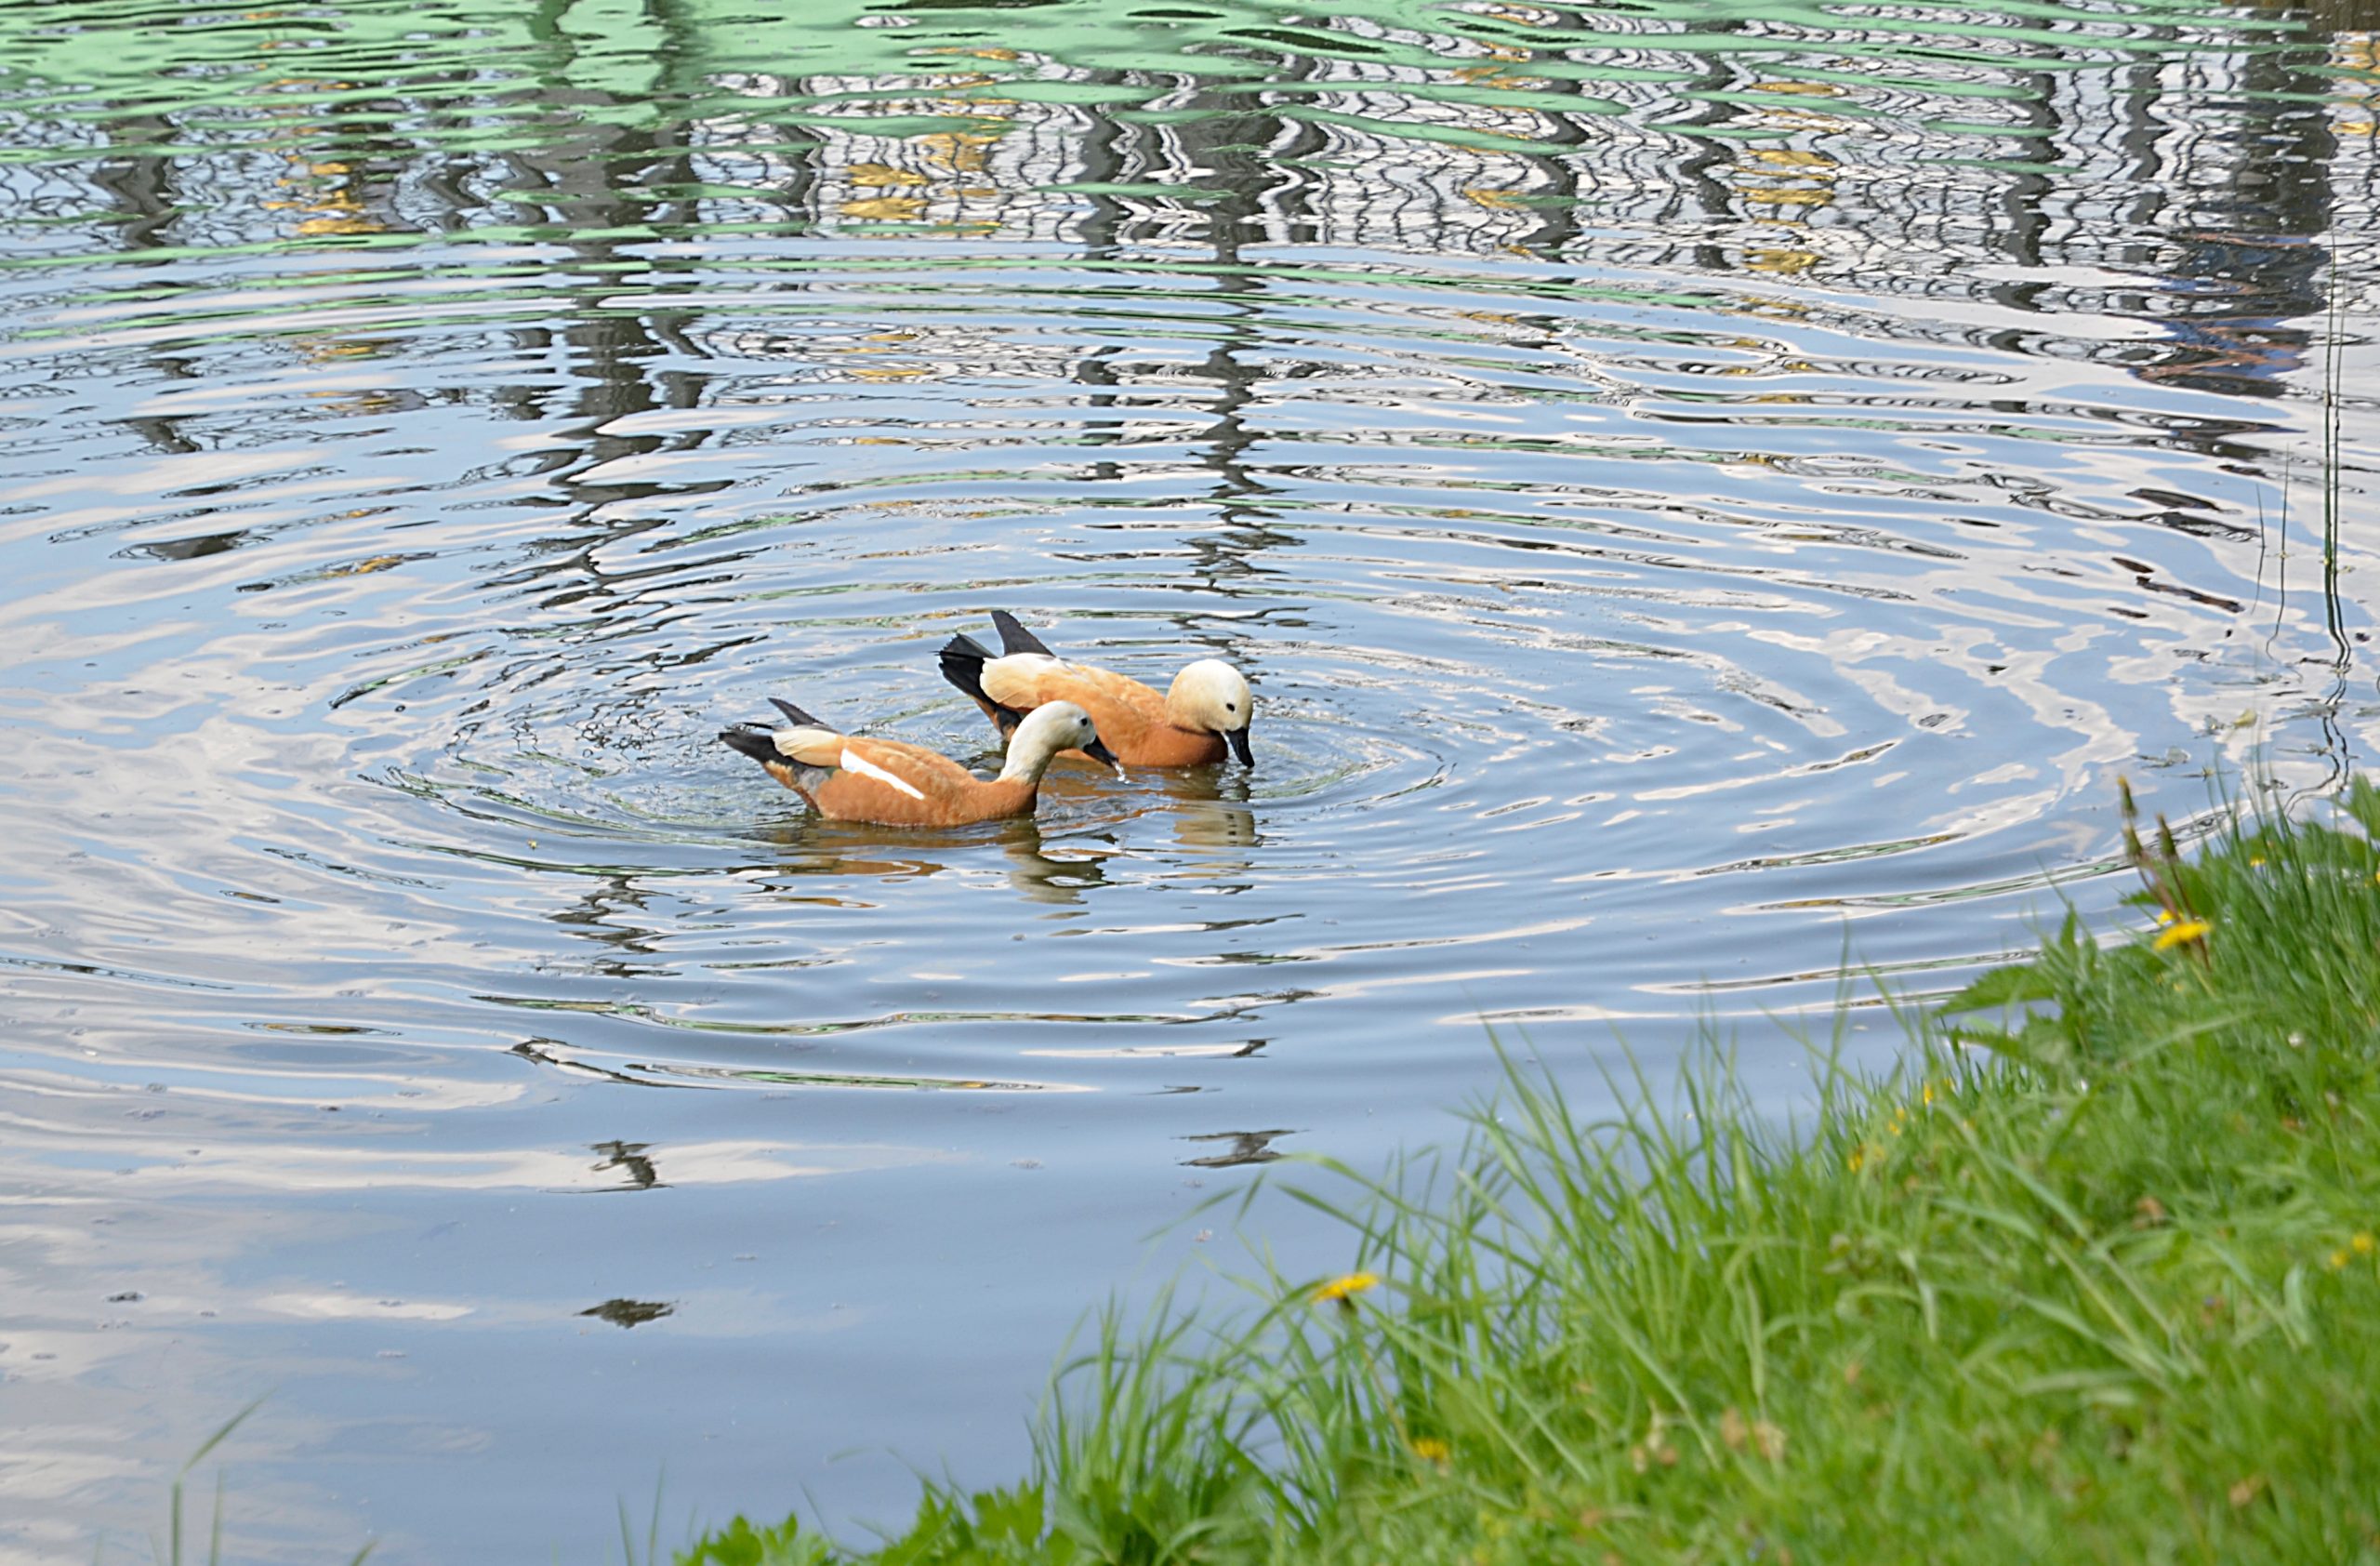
1231, 707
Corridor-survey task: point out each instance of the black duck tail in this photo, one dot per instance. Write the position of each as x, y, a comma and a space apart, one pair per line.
1014, 638
962, 664
759, 744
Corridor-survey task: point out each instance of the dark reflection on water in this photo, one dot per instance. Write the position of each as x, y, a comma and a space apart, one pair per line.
1699, 493
1244, 1147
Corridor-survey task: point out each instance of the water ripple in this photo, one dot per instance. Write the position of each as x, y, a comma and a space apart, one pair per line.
1696, 502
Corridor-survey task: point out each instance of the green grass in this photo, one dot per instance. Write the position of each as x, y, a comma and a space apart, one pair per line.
2091, 1276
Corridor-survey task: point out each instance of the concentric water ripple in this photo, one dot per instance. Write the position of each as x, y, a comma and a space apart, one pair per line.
1568, 604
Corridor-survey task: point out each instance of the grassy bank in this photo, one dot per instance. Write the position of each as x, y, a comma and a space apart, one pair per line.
2092, 1276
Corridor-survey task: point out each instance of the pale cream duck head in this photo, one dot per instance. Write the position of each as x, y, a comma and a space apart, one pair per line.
1048, 729
1211, 696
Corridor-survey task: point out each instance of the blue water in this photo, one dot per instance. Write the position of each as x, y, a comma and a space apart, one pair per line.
1699, 496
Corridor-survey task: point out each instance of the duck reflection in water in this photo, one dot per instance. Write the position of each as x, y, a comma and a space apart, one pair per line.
841, 852
1041, 877
1213, 823
1207, 810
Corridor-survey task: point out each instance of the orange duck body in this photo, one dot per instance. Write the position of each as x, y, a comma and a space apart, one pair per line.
851, 777
1204, 718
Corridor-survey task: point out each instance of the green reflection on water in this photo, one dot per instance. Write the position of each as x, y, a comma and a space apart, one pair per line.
461, 72
380, 126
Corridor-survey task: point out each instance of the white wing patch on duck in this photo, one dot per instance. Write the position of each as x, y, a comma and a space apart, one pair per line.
1007, 680
797, 743
854, 762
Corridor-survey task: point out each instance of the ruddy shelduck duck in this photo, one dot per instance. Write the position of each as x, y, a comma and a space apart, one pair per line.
851, 777
1207, 705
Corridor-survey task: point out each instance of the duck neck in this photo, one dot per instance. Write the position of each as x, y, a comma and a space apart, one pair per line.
1026, 761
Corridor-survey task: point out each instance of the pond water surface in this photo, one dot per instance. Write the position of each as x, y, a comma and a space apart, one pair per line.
1701, 490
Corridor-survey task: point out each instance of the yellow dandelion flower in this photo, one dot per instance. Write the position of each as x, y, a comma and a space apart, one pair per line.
2256, 864
1929, 1094
1430, 1449
2189, 930
2360, 1245
1347, 1287
2164, 916
2338, 1260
